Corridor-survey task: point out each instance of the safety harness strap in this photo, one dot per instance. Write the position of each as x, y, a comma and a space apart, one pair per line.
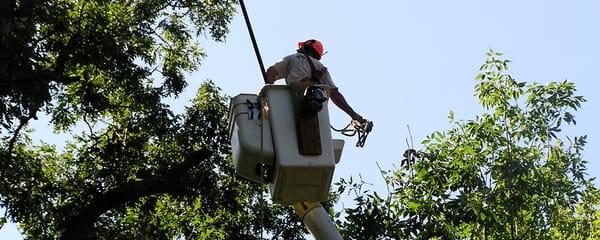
315, 76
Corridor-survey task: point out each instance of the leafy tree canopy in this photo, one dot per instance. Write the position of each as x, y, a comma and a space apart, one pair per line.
507, 174
139, 170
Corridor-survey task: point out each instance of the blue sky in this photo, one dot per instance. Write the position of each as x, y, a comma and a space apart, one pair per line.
403, 63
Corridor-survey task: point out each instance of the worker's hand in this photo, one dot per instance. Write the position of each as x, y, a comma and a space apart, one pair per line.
269, 80
271, 75
363, 125
358, 117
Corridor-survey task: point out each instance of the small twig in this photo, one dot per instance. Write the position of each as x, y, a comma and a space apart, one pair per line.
169, 46
410, 136
89, 126
387, 186
409, 158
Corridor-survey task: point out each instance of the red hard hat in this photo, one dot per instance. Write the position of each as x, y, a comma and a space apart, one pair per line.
315, 44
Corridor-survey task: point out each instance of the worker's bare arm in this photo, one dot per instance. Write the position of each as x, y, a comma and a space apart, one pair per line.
339, 100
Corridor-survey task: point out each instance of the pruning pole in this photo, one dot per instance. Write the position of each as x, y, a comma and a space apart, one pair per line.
260, 62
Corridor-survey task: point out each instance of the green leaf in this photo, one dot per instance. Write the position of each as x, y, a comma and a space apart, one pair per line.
413, 206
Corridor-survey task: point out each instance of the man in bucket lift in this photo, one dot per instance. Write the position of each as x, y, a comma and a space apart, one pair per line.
305, 66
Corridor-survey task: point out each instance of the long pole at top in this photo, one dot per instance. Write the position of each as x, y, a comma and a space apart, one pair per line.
260, 62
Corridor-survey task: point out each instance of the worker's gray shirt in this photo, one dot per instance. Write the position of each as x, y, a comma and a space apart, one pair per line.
295, 67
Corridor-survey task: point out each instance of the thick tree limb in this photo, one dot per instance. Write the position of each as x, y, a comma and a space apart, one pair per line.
80, 225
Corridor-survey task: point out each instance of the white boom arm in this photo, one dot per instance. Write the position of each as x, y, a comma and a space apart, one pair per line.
317, 220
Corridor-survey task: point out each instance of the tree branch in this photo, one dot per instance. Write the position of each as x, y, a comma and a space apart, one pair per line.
80, 225
13, 140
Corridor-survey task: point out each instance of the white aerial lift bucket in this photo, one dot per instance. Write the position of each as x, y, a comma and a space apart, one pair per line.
250, 136
266, 138
297, 177
265, 147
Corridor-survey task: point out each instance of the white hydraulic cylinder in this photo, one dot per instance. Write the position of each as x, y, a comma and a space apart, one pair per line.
317, 220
